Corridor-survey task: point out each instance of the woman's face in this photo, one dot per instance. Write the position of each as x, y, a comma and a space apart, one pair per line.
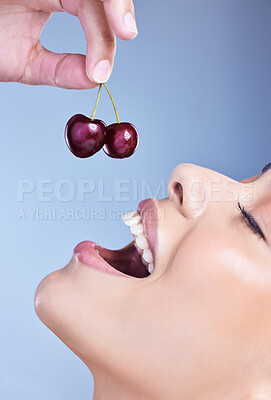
198, 326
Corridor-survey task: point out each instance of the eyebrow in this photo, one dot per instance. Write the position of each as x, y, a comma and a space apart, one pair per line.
266, 168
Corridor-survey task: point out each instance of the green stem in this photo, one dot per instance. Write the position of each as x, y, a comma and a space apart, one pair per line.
114, 105
96, 104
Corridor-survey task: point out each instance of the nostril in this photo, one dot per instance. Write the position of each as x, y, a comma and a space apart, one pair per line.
178, 191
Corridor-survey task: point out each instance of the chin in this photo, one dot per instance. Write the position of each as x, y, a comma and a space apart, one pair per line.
49, 298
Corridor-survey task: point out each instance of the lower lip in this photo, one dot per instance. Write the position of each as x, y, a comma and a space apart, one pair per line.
87, 253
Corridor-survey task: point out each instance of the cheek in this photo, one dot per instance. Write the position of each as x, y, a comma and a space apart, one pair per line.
214, 296
211, 270
222, 259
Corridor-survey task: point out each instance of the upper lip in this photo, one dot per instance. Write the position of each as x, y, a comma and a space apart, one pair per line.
148, 211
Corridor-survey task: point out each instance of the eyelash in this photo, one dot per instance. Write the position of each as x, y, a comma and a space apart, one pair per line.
250, 221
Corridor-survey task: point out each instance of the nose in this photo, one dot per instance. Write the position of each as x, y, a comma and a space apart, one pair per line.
186, 188
251, 179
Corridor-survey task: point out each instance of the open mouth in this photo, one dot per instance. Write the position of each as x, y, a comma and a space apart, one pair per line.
137, 258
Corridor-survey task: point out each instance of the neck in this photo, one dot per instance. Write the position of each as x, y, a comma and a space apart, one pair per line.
105, 391
108, 388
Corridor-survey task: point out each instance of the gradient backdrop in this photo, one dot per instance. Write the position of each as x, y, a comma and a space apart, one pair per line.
196, 83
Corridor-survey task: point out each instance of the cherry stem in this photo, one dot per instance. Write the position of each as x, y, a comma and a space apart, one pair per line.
96, 104
114, 105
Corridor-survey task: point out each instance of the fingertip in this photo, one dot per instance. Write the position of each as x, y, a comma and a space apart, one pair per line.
122, 19
130, 24
101, 72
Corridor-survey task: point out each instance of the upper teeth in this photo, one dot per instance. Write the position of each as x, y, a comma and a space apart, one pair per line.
137, 229
147, 255
131, 219
134, 221
141, 241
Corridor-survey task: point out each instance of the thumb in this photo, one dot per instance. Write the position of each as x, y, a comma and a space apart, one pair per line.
63, 70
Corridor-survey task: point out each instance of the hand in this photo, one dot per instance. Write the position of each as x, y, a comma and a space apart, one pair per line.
23, 58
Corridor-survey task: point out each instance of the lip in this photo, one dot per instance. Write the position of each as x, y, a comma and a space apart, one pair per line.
94, 255
148, 211
88, 253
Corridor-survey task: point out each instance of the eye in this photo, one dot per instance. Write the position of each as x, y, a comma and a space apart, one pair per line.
266, 168
251, 222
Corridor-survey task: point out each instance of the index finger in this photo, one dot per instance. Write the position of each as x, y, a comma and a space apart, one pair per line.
121, 16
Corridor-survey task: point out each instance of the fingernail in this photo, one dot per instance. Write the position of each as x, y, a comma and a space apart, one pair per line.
130, 23
101, 71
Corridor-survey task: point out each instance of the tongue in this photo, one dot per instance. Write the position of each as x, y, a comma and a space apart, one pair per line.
126, 260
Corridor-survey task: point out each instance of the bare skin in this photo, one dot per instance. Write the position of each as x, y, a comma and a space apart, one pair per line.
24, 59
198, 327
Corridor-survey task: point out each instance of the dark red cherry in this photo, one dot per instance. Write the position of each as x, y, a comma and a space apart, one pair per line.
121, 140
84, 136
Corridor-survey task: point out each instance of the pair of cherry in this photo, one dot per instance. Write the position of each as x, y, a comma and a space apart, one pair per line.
86, 136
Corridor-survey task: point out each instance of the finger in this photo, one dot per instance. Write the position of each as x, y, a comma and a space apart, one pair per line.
101, 41
121, 16
63, 70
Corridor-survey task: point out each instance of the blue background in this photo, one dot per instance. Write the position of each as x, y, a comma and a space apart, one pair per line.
196, 83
